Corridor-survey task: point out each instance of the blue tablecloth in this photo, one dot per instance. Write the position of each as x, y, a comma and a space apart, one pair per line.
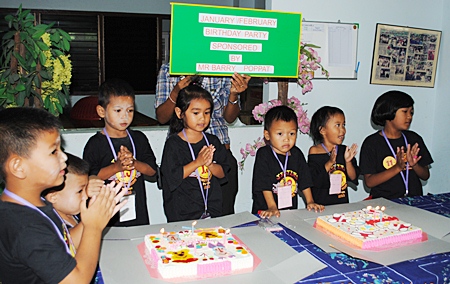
342, 268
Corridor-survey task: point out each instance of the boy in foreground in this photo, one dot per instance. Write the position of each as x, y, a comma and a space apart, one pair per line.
32, 246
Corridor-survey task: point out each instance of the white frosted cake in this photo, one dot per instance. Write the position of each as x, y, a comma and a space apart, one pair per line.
369, 228
199, 253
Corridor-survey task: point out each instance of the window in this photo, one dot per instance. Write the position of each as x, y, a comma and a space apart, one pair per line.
108, 45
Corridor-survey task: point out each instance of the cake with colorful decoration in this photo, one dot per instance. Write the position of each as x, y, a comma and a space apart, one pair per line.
197, 253
369, 228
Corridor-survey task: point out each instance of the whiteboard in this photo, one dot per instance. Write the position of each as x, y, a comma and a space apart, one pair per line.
338, 47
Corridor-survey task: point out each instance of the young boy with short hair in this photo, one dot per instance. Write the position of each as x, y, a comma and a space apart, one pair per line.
32, 246
280, 168
121, 154
66, 198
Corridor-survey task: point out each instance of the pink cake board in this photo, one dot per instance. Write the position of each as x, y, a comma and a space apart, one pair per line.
155, 274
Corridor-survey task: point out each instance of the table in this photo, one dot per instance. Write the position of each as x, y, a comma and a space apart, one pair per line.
340, 268
344, 269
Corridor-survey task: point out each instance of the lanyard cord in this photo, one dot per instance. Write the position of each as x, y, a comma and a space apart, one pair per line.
205, 197
279, 162
328, 152
405, 180
29, 205
115, 155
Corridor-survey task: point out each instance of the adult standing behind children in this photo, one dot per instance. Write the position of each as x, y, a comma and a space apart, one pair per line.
193, 162
331, 163
395, 159
32, 245
280, 168
120, 154
225, 92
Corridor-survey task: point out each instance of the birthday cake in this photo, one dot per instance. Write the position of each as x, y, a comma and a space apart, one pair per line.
369, 228
197, 253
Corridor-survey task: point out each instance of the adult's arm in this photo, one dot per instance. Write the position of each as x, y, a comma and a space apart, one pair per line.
239, 83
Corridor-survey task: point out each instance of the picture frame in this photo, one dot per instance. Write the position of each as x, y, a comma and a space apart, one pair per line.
405, 56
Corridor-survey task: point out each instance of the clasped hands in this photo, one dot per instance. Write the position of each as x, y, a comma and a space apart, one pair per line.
126, 159
206, 155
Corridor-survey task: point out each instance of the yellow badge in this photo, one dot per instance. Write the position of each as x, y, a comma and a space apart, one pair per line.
389, 162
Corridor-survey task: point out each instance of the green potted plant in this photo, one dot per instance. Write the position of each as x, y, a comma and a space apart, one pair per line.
35, 65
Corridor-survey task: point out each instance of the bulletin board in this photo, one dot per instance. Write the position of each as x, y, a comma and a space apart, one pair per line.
338, 47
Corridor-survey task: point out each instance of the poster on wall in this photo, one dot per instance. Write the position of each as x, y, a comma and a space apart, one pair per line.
216, 40
405, 56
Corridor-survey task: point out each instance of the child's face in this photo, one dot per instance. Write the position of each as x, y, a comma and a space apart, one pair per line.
118, 114
197, 116
282, 135
69, 198
403, 118
46, 164
334, 130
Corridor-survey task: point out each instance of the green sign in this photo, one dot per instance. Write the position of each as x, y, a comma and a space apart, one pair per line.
213, 40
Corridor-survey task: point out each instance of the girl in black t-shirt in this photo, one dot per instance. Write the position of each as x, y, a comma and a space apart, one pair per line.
394, 160
331, 163
193, 162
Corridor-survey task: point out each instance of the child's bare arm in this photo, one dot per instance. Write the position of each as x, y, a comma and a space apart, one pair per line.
144, 168
413, 158
372, 180
350, 153
216, 170
272, 209
108, 171
95, 218
310, 204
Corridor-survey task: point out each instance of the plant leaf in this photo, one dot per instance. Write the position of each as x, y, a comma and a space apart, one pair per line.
45, 75
20, 87
42, 58
59, 108
8, 35
57, 52
37, 35
36, 81
66, 45
55, 37
42, 45
65, 35
20, 99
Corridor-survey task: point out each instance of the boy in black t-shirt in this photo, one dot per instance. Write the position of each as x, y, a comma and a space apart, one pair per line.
280, 168
32, 246
119, 154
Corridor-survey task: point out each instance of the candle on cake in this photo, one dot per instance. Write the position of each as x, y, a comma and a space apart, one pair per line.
381, 213
193, 227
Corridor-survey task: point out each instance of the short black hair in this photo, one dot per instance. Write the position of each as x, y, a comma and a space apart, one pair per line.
320, 119
114, 88
387, 105
283, 113
76, 166
20, 128
192, 92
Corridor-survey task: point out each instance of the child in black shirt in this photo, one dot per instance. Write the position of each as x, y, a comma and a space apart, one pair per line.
331, 163
193, 162
121, 154
280, 168
394, 160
